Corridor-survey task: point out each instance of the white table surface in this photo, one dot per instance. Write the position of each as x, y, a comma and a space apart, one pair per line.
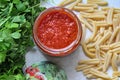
68, 63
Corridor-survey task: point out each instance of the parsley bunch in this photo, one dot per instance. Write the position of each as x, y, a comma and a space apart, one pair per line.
16, 21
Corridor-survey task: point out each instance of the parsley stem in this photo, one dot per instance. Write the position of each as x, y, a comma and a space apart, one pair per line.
36, 5
4, 21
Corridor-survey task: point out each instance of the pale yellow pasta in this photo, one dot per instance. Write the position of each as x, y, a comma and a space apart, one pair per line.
87, 5
104, 24
90, 76
102, 53
114, 34
116, 10
113, 63
99, 68
110, 16
87, 41
104, 38
100, 12
85, 9
86, 71
98, 36
89, 54
118, 37
102, 31
105, 49
115, 75
91, 45
98, 52
101, 3
115, 23
114, 45
98, 39
92, 16
83, 33
95, 29
74, 4
66, 2
105, 8
116, 50
96, 16
115, 16
83, 67
83, 20
103, 46
99, 79
92, 49
90, 61
110, 29
100, 74
107, 61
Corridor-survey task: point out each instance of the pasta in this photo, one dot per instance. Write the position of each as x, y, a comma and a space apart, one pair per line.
109, 16
103, 46
66, 2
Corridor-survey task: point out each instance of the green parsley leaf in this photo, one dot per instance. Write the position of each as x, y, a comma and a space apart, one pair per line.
16, 35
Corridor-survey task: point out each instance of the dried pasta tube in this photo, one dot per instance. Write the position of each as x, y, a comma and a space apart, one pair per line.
114, 34
89, 54
90, 61
115, 75
77, 8
110, 28
104, 47
115, 23
118, 35
102, 31
114, 45
88, 5
87, 41
83, 67
102, 52
95, 16
100, 3
98, 36
84, 21
66, 2
86, 61
99, 68
98, 52
116, 50
104, 38
100, 79
94, 31
74, 4
107, 61
84, 33
100, 12
90, 76
113, 63
92, 50
110, 16
99, 74
91, 45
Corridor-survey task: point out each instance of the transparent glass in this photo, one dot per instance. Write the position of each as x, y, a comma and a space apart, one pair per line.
57, 52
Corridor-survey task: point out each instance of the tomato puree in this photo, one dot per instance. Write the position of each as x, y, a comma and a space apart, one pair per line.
57, 29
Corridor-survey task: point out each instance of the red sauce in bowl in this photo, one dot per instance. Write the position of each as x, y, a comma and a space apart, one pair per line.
57, 31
